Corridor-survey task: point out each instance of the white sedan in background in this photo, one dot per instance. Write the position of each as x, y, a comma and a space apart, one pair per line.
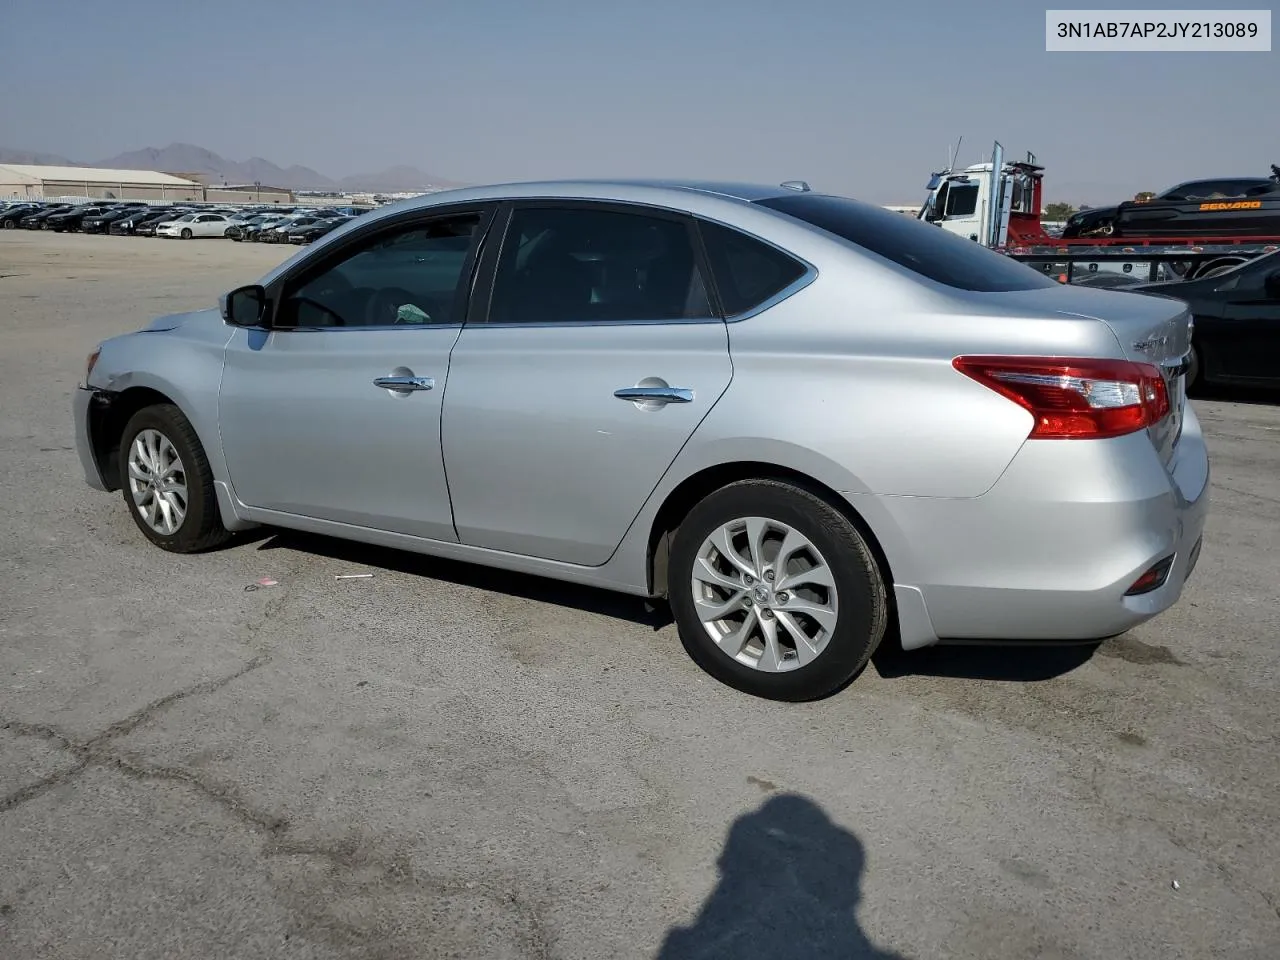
195, 225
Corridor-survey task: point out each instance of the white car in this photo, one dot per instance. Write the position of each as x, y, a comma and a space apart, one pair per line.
195, 225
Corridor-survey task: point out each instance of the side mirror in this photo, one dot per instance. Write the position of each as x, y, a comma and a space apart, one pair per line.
244, 306
1272, 284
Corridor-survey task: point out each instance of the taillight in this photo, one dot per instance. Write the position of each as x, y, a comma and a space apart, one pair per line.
1075, 398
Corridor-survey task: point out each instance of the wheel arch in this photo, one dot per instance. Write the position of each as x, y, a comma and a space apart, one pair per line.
682, 498
108, 420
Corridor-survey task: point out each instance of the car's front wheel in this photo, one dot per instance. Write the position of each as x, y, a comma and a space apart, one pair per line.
775, 592
167, 483
186, 233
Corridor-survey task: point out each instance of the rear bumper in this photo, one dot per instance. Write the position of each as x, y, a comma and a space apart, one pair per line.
1049, 553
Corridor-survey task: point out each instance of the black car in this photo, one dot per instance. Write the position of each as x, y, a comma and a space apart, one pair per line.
147, 227
38, 219
1236, 340
1230, 207
128, 225
314, 231
101, 222
14, 214
70, 220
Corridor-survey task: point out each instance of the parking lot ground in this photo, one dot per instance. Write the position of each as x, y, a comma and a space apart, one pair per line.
443, 761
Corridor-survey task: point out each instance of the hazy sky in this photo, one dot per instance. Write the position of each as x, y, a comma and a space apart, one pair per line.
856, 98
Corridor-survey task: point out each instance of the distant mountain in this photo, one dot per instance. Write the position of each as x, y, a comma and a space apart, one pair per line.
183, 158
26, 156
188, 158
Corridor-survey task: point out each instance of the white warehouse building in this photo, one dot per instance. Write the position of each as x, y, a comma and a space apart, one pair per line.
39, 182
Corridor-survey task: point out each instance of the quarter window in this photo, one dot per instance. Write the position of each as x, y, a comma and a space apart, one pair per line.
590, 265
411, 276
747, 271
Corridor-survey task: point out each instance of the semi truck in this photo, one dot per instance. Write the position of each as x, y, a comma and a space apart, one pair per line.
998, 203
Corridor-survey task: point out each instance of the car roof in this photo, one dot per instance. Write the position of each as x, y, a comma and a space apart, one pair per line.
658, 191
693, 196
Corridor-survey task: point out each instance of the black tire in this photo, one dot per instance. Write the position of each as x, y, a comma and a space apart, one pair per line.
1216, 268
201, 528
862, 609
186, 233
10, 224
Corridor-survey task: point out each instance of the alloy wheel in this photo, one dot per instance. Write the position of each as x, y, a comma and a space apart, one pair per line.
765, 594
158, 482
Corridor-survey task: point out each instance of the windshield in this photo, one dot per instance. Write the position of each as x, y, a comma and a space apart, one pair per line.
921, 247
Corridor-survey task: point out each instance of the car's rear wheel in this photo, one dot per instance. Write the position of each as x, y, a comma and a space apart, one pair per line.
1217, 267
167, 483
775, 592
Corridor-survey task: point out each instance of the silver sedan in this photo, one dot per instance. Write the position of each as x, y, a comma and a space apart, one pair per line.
808, 423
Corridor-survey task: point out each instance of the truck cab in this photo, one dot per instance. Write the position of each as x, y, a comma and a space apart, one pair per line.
992, 210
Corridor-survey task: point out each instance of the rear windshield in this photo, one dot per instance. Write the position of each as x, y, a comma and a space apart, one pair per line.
921, 247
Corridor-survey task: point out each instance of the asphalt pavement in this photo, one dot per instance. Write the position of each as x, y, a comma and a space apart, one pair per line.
444, 761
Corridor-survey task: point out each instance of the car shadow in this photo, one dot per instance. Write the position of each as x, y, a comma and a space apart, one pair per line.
1012, 663
790, 886
655, 615
1001, 662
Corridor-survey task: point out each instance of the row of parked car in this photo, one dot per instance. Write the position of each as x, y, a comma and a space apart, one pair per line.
184, 221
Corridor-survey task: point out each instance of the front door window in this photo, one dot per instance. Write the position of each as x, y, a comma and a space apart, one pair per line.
411, 276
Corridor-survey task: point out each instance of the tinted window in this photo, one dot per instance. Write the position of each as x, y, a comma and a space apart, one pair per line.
410, 276
596, 265
747, 272
962, 200
920, 247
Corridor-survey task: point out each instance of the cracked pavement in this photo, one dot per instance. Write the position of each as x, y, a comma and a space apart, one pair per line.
443, 761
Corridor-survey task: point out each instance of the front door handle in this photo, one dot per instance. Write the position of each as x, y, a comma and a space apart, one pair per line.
655, 394
404, 384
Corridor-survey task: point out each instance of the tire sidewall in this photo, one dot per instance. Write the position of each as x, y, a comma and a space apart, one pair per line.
169, 422
861, 619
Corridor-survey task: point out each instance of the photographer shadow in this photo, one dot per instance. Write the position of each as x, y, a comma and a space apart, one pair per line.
790, 887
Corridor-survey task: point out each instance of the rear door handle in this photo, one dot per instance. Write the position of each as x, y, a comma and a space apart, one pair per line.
404, 384
659, 394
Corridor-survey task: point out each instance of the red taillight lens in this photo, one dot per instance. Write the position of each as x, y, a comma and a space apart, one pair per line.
1153, 579
1076, 398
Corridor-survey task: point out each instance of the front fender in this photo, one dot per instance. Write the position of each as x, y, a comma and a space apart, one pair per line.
183, 364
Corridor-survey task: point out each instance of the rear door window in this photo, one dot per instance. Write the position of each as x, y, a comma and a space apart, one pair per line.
589, 263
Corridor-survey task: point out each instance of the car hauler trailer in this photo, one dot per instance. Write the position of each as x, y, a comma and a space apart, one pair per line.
998, 204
